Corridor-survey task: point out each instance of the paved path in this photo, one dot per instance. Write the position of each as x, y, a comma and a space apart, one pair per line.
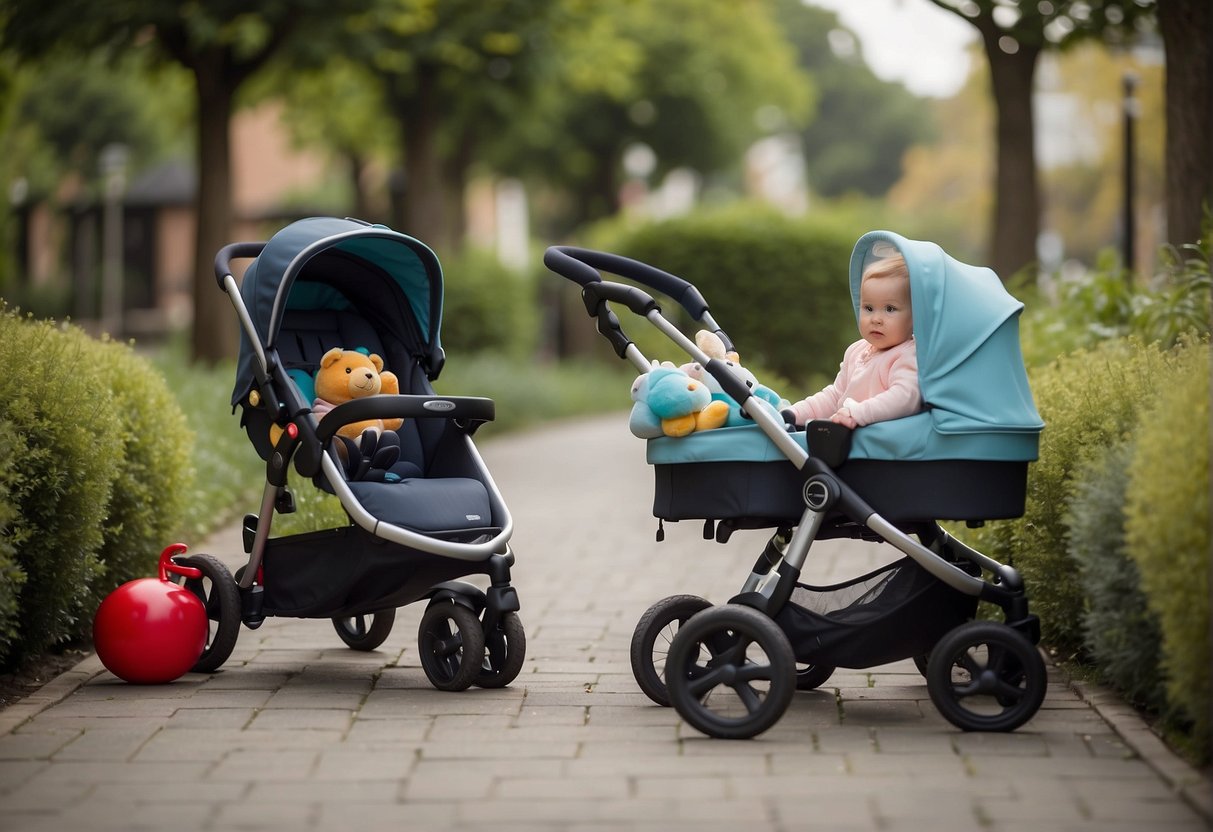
297, 732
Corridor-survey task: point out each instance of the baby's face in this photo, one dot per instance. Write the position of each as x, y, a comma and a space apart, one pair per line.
885, 319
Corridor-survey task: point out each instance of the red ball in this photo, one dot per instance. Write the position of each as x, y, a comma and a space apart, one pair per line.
150, 631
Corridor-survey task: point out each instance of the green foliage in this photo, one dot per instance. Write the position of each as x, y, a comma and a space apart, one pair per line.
777, 285
1167, 530
487, 307
1120, 633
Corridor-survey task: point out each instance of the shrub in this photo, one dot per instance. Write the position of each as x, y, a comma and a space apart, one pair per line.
67, 437
1120, 633
1167, 529
777, 285
487, 307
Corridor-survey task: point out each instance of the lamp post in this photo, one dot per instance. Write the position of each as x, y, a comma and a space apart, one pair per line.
113, 161
1131, 111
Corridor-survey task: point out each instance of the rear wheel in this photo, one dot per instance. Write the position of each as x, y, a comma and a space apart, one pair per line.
504, 653
986, 676
450, 641
652, 638
367, 631
812, 676
220, 596
731, 672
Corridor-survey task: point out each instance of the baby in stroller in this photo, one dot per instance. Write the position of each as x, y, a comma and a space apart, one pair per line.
731, 669
320, 289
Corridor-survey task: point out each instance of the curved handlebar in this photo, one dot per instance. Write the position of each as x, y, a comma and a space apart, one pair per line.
581, 266
234, 251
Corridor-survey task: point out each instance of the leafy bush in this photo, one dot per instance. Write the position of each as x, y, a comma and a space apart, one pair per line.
96, 479
1167, 529
1120, 633
777, 285
487, 307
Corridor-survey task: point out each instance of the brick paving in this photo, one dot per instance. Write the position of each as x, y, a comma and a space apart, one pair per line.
297, 732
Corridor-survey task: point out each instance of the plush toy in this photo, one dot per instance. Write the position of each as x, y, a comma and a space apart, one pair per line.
351, 374
711, 344
668, 402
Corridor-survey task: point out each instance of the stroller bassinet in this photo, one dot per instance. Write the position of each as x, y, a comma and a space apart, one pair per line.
965, 457
435, 516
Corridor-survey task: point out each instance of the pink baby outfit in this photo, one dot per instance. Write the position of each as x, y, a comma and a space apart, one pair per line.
874, 385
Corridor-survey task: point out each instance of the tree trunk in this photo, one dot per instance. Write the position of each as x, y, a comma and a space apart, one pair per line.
1017, 191
1187, 34
215, 333
424, 199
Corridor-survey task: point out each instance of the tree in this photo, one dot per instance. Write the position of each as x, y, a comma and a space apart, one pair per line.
1187, 32
863, 125
222, 43
1013, 36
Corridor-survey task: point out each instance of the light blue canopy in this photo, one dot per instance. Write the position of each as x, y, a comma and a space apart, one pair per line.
970, 368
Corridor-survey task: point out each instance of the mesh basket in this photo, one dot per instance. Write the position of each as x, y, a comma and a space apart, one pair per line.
896, 612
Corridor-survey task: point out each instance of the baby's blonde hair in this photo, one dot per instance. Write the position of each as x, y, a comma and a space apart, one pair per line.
894, 266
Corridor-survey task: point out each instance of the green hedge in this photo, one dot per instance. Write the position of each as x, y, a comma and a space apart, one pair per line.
488, 307
1167, 530
95, 483
777, 285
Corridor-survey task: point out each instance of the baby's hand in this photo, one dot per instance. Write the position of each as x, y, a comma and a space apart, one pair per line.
843, 417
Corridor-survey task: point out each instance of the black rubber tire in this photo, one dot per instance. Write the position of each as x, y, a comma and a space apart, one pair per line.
652, 638
354, 631
450, 641
217, 591
986, 676
813, 676
504, 653
712, 651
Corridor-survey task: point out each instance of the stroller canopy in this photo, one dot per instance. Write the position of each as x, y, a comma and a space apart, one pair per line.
970, 366
324, 263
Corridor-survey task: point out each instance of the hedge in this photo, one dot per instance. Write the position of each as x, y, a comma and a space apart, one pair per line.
94, 479
778, 285
1167, 530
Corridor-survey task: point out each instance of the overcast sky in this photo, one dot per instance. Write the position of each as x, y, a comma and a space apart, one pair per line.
911, 41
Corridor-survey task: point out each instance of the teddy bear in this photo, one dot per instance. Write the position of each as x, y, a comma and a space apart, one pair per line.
668, 402
711, 344
352, 374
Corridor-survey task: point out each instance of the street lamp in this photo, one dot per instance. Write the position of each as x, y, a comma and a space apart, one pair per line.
112, 161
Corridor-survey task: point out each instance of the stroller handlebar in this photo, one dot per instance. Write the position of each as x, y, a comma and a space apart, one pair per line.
581, 265
230, 252
464, 408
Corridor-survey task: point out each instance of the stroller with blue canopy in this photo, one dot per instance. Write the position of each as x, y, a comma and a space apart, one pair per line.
731, 670
431, 515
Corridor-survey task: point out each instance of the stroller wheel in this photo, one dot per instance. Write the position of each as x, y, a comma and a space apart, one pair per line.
217, 591
985, 676
504, 652
812, 676
451, 643
356, 633
731, 672
651, 641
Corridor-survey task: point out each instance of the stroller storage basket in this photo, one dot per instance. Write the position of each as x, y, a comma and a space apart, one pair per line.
896, 612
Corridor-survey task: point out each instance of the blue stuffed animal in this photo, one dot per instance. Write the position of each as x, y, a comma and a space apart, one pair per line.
713, 346
668, 402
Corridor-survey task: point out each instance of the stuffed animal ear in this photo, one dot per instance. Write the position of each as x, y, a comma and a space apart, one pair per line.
710, 343
331, 357
377, 361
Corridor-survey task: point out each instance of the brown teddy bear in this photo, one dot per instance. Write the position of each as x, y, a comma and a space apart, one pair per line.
350, 374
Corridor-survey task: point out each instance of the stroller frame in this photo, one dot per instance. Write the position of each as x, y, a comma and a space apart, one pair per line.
467, 635
831, 509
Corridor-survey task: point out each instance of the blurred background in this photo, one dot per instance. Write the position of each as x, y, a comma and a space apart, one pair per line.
136, 138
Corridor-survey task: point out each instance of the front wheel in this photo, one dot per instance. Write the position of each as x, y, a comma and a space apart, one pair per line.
504, 653
813, 676
220, 596
365, 632
731, 672
985, 676
652, 638
450, 640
